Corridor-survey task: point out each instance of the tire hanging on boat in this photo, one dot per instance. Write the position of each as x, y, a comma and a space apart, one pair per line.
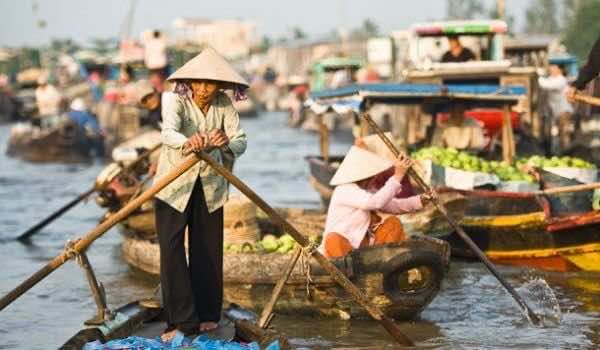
399, 267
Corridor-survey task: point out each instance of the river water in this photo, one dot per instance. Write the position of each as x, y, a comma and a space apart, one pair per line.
471, 312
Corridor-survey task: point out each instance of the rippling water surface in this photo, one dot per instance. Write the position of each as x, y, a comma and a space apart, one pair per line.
471, 311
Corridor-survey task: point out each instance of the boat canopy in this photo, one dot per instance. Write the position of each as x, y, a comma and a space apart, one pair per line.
352, 97
471, 27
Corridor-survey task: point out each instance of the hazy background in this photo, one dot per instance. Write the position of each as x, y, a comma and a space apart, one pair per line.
84, 19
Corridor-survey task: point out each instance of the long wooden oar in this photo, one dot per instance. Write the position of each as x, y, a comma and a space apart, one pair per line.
24, 237
573, 188
91, 236
267, 312
594, 101
338, 276
462, 234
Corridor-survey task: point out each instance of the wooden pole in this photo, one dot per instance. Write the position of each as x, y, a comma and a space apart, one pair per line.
324, 140
461, 233
25, 236
594, 101
327, 265
91, 236
508, 140
267, 311
565, 189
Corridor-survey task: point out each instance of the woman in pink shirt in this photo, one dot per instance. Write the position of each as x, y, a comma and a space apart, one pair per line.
353, 219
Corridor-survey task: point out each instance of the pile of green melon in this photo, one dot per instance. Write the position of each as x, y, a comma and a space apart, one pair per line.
452, 158
555, 162
269, 244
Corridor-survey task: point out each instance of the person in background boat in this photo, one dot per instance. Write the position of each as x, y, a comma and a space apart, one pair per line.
150, 100
157, 80
198, 117
47, 98
85, 120
155, 52
95, 80
460, 132
587, 73
359, 214
127, 94
457, 52
554, 85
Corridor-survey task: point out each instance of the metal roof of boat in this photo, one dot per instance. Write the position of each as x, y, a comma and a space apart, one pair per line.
416, 90
351, 97
467, 27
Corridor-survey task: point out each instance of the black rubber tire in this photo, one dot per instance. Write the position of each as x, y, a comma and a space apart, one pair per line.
405, 262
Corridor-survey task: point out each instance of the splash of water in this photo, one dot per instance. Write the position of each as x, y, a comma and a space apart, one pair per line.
542, 299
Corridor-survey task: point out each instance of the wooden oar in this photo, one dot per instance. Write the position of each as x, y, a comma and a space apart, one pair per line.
267, 312
463, 235
338, 276
573, 188
594, 101
83, 243
24, 237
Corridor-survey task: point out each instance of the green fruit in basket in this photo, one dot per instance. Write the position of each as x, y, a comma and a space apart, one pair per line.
494, 164
452, 150
446, 163
579, 163
270, 245
456, 164
485, 167
235, 248
247, 248
259, 247
528, 178
269, 237
287, 238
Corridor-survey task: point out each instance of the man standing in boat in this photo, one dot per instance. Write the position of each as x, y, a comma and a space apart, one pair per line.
587, 73
200, 117
457, 52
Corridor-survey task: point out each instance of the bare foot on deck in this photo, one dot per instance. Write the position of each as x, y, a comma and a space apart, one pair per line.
168, 335
208, 326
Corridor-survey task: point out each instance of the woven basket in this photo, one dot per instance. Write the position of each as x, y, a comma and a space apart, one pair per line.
240, 223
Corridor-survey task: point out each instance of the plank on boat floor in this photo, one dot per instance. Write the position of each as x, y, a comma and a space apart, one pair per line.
226, 330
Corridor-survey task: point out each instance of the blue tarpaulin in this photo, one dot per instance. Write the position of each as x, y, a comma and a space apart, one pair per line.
180, 342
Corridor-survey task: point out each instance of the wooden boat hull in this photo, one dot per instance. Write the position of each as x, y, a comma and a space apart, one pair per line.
135, 320
321, 173
530, 236
379, 271
66, 145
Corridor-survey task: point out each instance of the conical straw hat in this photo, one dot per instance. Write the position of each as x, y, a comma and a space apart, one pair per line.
359, 164
210, 65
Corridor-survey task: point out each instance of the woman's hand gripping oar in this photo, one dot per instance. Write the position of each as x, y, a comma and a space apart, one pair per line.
591, 100
83, 243
338, 276
25, 236
463, 235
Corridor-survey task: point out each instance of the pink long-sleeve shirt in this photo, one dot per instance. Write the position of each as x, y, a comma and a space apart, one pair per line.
350, 207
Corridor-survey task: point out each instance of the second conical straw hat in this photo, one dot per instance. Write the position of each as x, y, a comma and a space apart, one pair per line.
359, 164
209, 65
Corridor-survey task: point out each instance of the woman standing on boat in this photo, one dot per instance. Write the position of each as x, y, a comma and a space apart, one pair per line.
197, 117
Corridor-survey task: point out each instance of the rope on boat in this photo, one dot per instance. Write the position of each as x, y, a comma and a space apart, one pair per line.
305, 268
72, 252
